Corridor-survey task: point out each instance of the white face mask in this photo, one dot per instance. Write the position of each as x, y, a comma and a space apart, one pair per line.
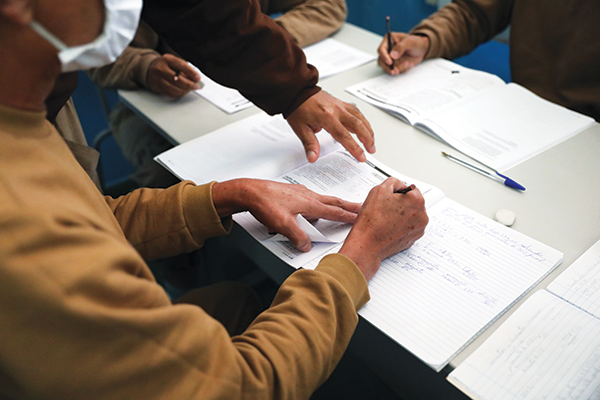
122, 19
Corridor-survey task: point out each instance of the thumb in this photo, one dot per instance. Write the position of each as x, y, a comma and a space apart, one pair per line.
297, 236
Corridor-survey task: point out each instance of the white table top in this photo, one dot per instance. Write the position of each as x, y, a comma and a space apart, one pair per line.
559, 208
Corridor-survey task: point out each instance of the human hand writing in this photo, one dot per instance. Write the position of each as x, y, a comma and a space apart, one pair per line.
407, 51
340, 119
172, 76
387, 223
277, 204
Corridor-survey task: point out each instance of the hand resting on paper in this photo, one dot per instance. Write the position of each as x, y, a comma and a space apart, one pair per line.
340, 119
407, 51
276, 205
172, 76
387, 223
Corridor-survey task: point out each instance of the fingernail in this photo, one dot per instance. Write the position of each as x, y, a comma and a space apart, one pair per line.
394, 54
372, 149
311, 156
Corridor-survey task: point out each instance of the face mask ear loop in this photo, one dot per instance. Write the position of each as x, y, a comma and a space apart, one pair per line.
45, 33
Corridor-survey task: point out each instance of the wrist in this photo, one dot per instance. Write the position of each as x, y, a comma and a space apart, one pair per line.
231, 196
363, 255
423, 38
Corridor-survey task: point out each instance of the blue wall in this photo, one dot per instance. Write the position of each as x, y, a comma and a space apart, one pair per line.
404, 14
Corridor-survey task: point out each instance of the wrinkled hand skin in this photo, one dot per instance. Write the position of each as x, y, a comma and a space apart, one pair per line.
277, 204
387, 223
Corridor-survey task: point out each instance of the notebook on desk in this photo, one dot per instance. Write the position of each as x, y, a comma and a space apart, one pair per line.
549, 347
433, 298
477, 113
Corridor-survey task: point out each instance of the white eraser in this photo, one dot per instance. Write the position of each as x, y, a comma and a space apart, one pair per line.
505, 217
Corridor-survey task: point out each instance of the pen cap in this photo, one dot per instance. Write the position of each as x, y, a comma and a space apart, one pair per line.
510, 183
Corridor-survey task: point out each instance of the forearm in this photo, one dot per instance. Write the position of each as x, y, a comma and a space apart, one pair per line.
186, 219
238, 46
461, 26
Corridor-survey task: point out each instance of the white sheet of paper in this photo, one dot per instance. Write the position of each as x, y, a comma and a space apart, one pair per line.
233, 150
332, 57
227, 99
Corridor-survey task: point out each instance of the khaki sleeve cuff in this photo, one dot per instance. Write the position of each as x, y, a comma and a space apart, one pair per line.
143, 66
200, 214
342, 269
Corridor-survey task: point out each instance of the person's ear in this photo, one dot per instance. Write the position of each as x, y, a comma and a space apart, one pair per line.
17, 11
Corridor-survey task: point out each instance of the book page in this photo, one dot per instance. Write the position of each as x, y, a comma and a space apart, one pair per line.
579, 284
506, 127
336, 174
548, 349
332, 57
259, 146
464, 273
431, 86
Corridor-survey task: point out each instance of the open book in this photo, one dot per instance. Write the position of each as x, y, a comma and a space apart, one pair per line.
497, 124
550, 346
433, 298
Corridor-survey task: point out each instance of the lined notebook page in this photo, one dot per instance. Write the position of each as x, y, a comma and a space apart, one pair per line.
435, 298
548, 349
580, 283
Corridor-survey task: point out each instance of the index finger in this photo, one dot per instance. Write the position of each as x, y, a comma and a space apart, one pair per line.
358, 124
343, 136
384, 55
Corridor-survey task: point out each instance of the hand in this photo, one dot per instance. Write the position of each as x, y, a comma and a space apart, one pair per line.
340, 119
276, 206
387, 223
172, 76
407, 51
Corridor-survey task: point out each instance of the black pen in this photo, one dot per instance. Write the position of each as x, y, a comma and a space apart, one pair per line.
401, 191
388, 27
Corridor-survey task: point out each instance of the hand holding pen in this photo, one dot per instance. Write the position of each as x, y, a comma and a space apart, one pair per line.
172, 76
399, 52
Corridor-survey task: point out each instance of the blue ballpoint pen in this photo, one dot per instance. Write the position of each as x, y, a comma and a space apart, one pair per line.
498, 177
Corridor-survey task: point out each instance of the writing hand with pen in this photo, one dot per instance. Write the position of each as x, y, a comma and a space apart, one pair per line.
399, 52
172, 76
390, 220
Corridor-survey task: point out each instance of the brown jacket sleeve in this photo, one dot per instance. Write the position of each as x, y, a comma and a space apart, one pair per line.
238, 46
308, 21
462, 25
